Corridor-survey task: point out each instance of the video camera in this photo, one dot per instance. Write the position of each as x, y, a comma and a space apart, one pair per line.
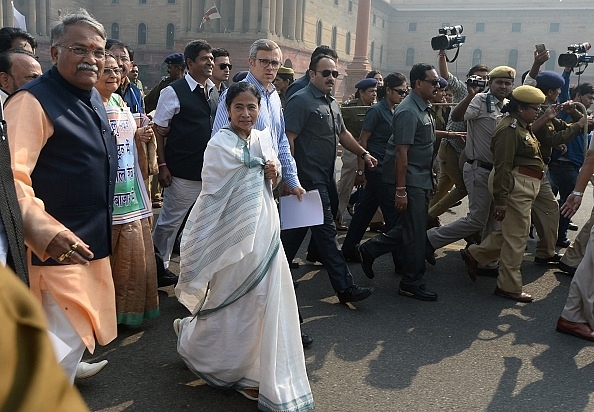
450, 37
476, 81
576, 55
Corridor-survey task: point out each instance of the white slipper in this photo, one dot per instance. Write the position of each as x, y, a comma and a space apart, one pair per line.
85, 370
176, 325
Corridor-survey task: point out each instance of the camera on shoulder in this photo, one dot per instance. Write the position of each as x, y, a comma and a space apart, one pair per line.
450, 37
577, 54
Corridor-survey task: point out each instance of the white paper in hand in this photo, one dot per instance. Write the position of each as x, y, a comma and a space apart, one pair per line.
304, 213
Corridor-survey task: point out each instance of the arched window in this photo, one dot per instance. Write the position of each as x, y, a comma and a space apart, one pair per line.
142, 33
115, 31
477, 57
410, 56
170, 36
552, 62
512, 59
347, 46
372, 51
333, 40
319, 33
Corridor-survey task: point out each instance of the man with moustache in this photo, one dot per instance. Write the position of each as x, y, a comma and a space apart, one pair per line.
408, 169
64, 162
313, 119
481, 111
183, 116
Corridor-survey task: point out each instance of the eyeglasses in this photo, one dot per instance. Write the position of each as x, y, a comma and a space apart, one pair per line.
275, 64
80, 51
535, 108
223, 66
108, 71
401, 92
433, 82
326, 73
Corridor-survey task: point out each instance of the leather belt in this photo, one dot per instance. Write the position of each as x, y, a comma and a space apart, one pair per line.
484, 165
537, 174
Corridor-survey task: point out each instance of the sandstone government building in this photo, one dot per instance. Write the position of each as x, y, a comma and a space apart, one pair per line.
399, 32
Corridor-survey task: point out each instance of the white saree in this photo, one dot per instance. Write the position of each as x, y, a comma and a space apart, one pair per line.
235, 279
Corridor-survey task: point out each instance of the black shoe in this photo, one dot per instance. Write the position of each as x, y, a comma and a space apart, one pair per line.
306, 340
167, 278
429, 252
556, 258
572, 226
491, 272
418, 292
366, 262
354, 293
353, 256
563, 243
313, 259
566, 268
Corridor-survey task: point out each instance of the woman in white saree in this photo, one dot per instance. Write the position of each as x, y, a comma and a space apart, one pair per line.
234, 277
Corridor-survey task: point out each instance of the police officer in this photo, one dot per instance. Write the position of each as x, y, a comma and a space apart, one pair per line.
518, 172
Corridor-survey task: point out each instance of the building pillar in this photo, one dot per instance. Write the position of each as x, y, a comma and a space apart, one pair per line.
8, 16
299, 20
359, 67
279, 17
43, 17
265, 24
291, 19
196, 17
253, 22
272, 25
32, 18
2, 13
238, 16
185, 14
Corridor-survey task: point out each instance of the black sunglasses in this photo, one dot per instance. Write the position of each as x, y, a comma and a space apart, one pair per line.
223, 66
434, 82
400, 92
326, 73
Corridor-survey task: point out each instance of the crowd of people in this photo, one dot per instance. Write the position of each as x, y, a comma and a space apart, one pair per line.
85, 157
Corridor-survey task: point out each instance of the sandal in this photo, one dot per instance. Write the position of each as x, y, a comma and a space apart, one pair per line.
250, 393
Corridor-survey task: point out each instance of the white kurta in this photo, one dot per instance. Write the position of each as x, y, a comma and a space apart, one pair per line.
236, 280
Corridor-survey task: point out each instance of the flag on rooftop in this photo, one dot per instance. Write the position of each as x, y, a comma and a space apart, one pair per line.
211, 14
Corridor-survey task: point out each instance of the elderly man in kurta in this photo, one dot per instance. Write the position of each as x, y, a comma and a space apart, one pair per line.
64, 161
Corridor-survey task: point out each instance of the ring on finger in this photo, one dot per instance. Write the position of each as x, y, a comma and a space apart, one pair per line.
66, 255
74, 246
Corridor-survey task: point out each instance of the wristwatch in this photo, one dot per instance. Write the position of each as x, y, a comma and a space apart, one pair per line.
359, 172
576, 193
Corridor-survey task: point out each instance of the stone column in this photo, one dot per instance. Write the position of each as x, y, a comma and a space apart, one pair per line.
43, 17
2, 8
32, 18
272, 25
253, 22
299, 21
238, 16
185, 14
291, 18
359, 67
8, 14
195, 16
279, 17
265, 24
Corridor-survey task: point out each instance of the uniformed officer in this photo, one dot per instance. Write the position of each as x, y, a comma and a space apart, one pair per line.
518, 171
353, 120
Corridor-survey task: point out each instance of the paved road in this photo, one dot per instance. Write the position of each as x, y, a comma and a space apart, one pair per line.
469, 351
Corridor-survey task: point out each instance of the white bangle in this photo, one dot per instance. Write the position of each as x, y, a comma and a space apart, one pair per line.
576, 193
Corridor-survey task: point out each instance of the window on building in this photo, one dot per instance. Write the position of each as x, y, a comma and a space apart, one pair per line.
333, 40
142, 1
336, 2
374, 19
115, 1
381, 54
554, 28
350, 6
383, 23
412, 26
371, 51
512, 59
550, 64
516, 27
410, 56
142, 33
347, 46
477, 56
171, 1
319, 33
115, 31
170, 36
480, 27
